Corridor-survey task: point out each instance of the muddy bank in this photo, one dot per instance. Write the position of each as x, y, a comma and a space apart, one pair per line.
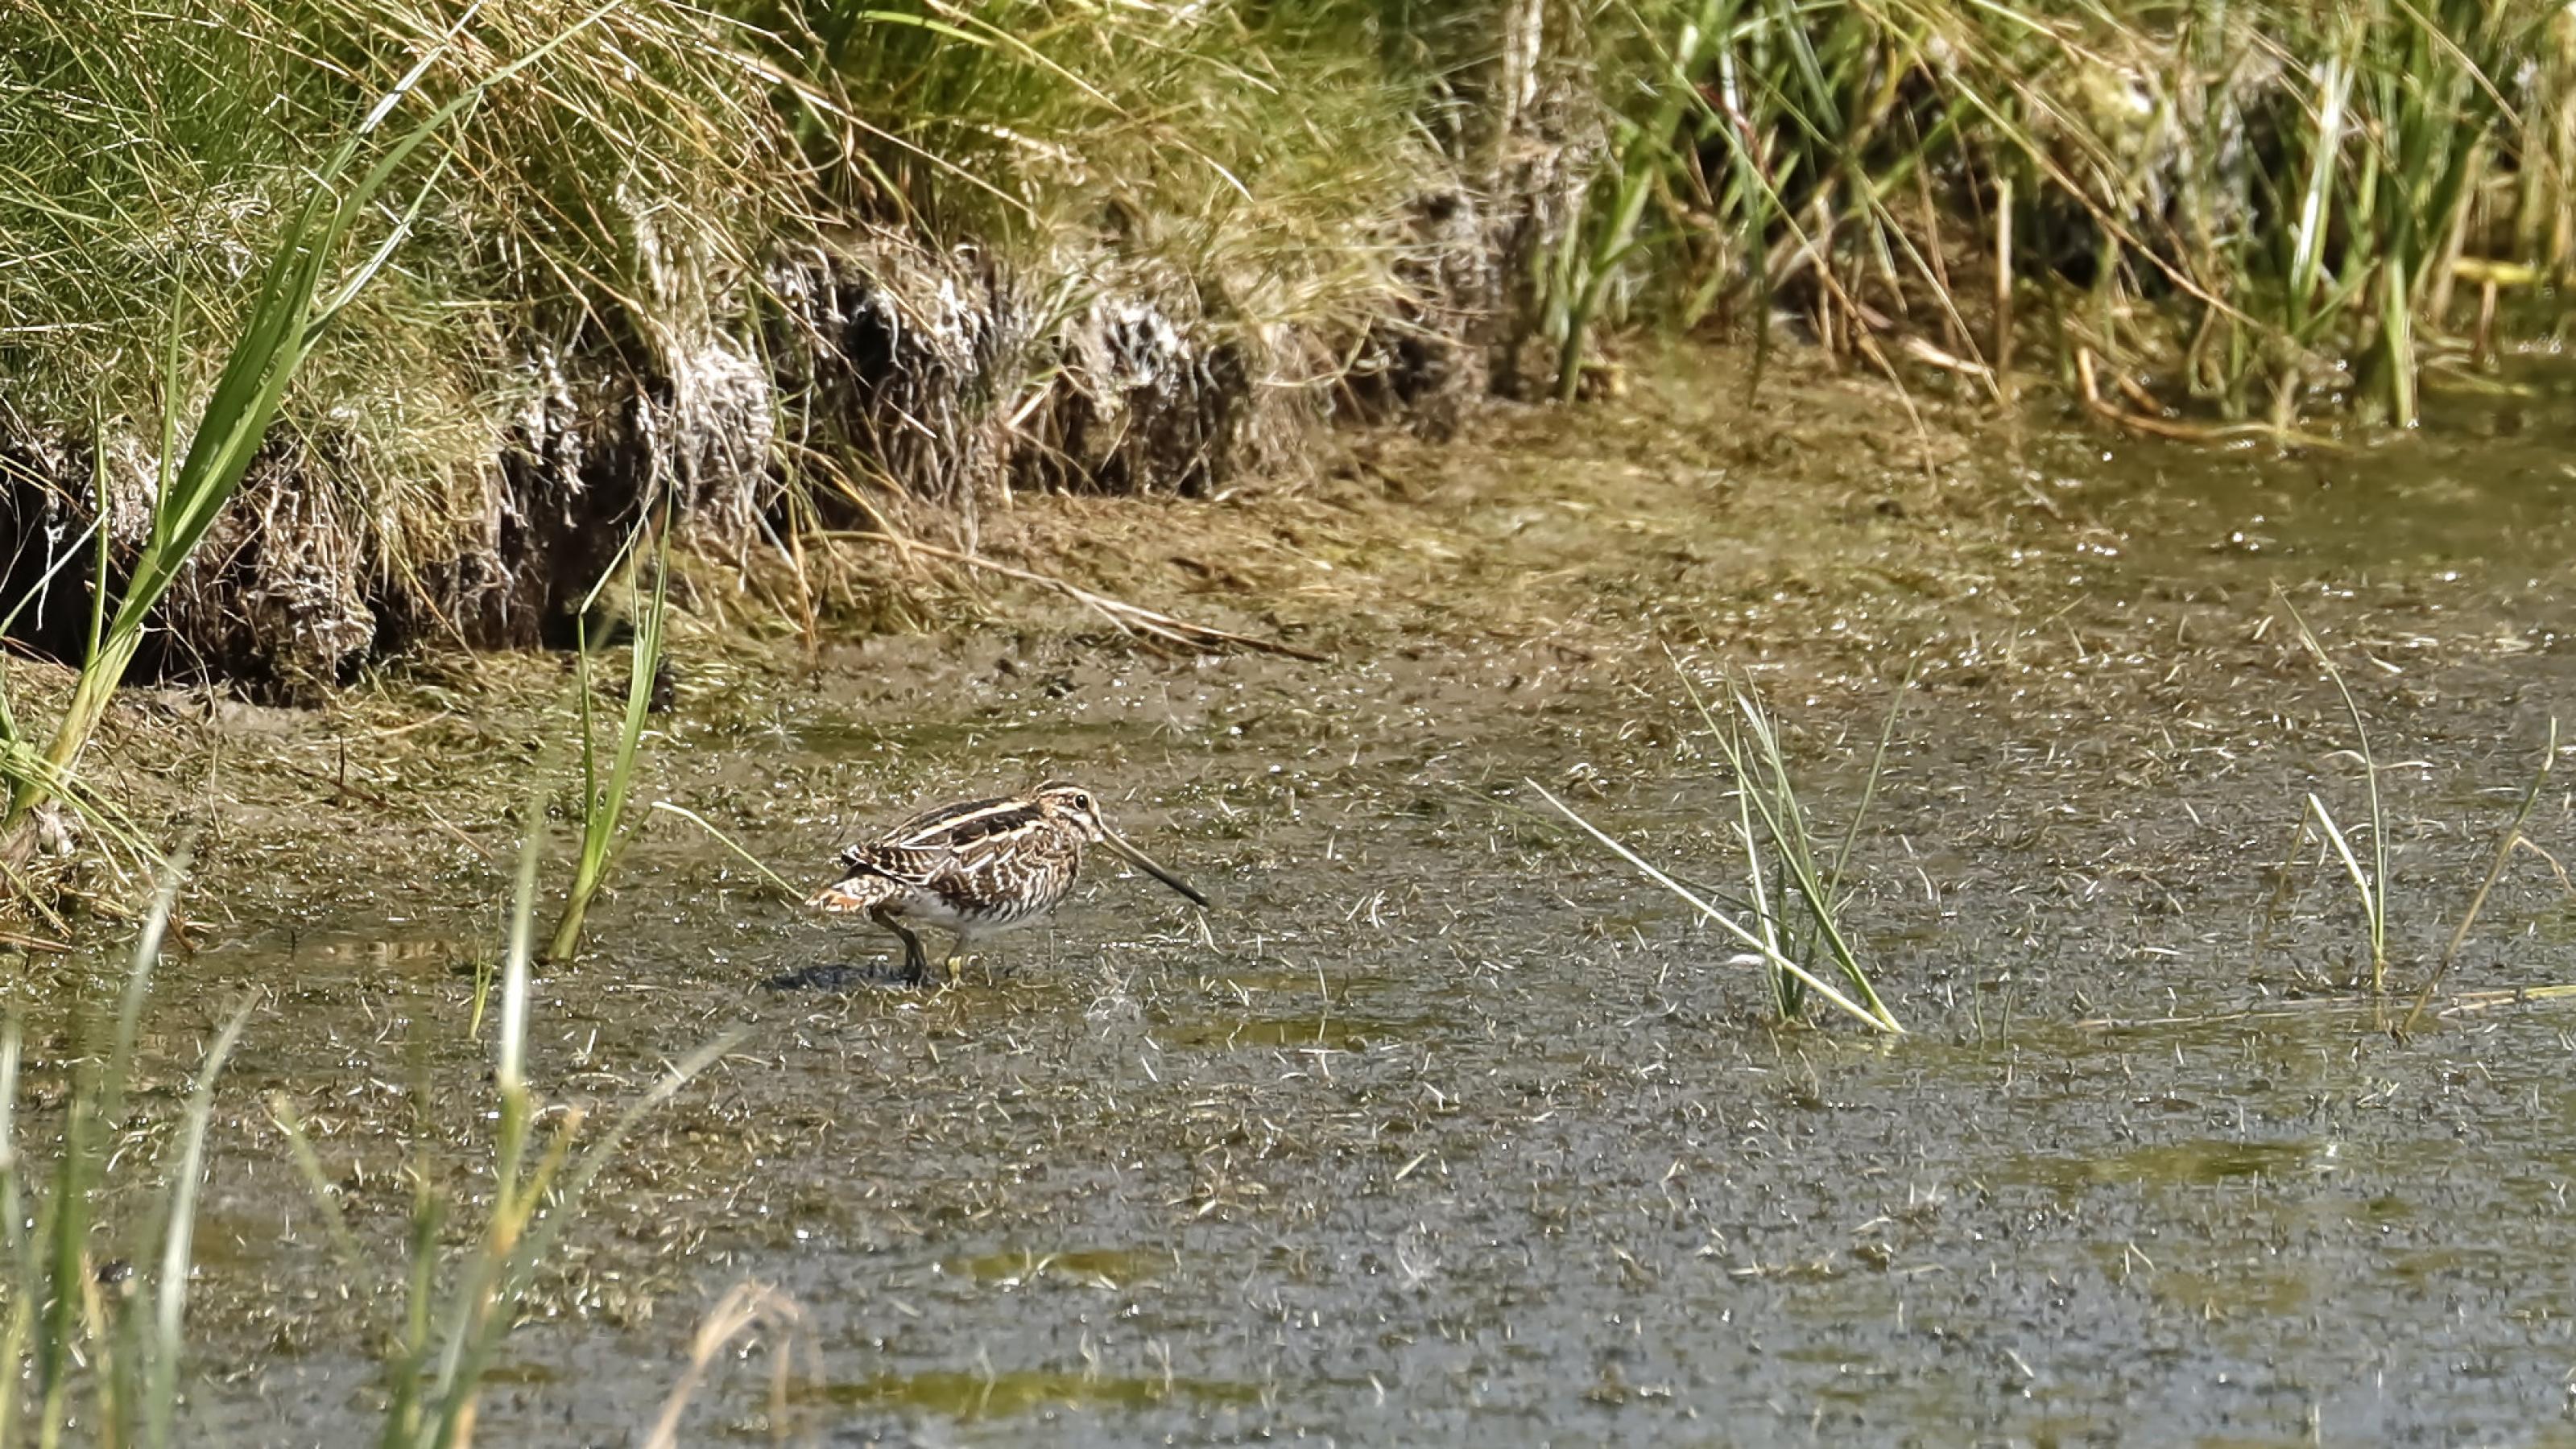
774, 335
1441, 1123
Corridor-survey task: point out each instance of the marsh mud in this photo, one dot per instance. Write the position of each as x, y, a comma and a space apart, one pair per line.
1443, 1124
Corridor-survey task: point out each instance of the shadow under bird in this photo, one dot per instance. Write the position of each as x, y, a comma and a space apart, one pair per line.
978, 868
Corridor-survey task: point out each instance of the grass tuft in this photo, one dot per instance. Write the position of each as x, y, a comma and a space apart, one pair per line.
1798, 901
2505, 845
603, 796
2369, 884
1796, 890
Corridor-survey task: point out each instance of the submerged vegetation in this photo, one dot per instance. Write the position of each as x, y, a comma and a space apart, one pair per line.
94, 1338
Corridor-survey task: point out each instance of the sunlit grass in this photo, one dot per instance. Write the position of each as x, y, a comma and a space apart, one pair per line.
1797, 930
2369, 883
1796, 889
2257, 211
307, 283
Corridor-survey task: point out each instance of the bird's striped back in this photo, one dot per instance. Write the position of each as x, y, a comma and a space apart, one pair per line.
964, 823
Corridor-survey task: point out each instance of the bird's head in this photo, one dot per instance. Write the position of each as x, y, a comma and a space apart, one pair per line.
1075, 806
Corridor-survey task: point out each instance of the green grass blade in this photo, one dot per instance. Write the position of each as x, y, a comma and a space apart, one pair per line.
2308, 234
2375, 894
171, 1300
2361, 882
785, 891
326, 1196
604, 805
26, 1281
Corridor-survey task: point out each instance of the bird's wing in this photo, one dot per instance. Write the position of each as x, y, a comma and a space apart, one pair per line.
958, 823
931, 845
913, 865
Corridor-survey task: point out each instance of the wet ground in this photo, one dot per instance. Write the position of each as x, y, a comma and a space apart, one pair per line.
1442, 1124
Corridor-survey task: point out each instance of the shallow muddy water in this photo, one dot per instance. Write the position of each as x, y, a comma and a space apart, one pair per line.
1441, 1124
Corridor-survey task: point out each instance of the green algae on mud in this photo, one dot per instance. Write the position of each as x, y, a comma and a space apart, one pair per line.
1440, 1126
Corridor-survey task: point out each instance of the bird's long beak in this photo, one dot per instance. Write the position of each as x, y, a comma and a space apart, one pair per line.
1146, 864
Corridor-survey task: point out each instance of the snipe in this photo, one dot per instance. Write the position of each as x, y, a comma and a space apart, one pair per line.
977, 868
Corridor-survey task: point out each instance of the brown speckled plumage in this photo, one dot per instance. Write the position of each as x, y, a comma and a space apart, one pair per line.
977, 867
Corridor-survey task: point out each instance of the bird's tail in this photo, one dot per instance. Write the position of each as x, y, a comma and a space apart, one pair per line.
862, 892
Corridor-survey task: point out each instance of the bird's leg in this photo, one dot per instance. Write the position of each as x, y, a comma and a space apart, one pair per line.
957, 961
916, 965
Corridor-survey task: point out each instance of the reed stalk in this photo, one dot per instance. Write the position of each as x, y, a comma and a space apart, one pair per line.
2284, 229
1765, 950
1803, 905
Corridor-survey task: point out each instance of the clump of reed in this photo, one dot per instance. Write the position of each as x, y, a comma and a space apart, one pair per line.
2370, 881
91, 1336
1793, 918
2253, 212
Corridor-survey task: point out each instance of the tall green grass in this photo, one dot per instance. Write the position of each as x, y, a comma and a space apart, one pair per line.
642, 207
1796, 886
307, 283
2253, 213
93, 1336
2369, 884
675, 204
604, 791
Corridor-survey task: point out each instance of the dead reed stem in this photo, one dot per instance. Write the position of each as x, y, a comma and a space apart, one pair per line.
1134, 620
